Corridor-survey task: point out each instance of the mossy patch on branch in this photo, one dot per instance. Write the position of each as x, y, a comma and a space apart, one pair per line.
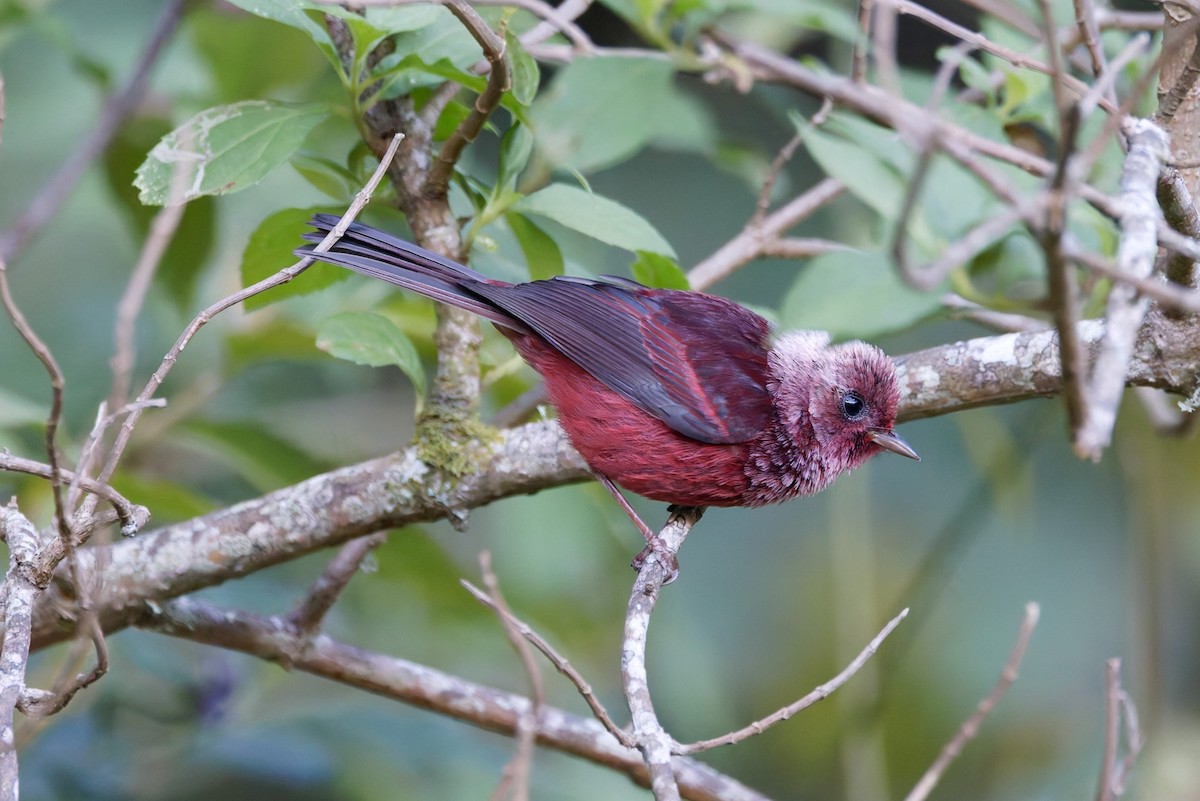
452, 442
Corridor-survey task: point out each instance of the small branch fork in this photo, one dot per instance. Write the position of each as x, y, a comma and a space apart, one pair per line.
660, 751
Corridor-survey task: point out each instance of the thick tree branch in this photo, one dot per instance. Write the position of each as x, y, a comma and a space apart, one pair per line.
400, 489
326, 510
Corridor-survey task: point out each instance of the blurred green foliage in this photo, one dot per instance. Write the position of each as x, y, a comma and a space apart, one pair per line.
636, 165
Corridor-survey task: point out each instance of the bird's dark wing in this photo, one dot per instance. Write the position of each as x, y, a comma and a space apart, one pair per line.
697, 362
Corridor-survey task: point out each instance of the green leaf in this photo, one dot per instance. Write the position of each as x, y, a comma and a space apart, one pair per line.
371, 339
270, 250
300, 14
449, 120
854, 295
278, 339
542, 254
16, 410
326, 175
870, 179
250, 56
596, 216
388, 21
442, 50
227, 148
525, 73
189, 249
656, 270
515, 150
599, 112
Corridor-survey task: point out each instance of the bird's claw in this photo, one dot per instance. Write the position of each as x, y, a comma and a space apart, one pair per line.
666, 557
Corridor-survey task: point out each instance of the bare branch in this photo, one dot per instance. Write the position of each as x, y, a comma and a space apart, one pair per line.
748, 244
424, 687
1148, 149
561, 664
323, 594
57, 381
162, 230
21, 588
499, 80
1117, 706
971, 726
1060, 276
132, 517
818, 694
1089, 34
515, 781
988, 46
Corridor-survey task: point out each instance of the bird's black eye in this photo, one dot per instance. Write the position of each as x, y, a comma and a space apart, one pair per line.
853, 405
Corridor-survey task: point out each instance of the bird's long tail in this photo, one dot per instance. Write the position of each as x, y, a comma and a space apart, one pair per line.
372, 252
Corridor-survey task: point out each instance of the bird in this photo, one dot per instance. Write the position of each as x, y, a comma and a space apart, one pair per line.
675, 395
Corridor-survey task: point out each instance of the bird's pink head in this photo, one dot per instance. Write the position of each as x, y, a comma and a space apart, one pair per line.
842, 398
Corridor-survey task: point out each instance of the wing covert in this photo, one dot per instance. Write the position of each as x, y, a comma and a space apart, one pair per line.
697, 362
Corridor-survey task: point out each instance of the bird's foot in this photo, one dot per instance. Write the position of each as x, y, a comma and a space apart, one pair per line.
666, 557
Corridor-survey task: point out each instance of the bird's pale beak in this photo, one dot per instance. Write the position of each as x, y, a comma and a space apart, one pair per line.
889, 440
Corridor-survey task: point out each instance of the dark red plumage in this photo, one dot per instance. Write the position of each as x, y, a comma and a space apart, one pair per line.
679, 396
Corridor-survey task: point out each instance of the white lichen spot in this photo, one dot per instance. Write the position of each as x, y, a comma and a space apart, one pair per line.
924, 379
998, 350
1191, 403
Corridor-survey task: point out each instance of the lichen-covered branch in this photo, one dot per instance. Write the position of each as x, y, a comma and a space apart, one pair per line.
400, 489
326, 510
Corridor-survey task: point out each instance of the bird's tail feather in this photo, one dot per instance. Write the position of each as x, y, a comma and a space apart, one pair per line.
380, 255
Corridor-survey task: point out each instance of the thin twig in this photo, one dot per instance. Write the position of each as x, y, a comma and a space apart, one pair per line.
1089, 34
1112, 729
988, 46
795, 247
768, 185
818, 694
970, 727
997, 321
306, 617
1060, 276
1168, 294
158, 238
515, 781
126, 511
1105, 83
39, 704
748, 244
499, 80
57, 381
561, 665
282, 277
858, 60
45, 204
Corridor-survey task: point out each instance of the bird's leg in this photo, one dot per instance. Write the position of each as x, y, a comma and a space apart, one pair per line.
654, 545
